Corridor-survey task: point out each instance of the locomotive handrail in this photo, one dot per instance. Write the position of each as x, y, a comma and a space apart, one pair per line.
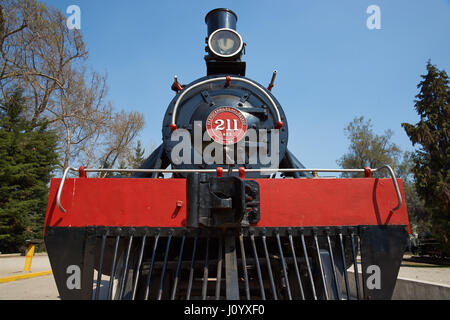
387, 167
183, 93
61, 184
397, 190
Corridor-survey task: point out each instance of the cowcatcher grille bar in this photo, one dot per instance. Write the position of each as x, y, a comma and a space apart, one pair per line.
253, 263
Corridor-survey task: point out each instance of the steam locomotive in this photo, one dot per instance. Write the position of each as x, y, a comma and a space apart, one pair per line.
222, 209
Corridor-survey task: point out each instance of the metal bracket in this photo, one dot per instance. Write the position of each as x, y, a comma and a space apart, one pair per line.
207, 98
221, 202
244, 97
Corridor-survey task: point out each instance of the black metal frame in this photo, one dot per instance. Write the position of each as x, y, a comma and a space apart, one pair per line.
251, 263
226, 202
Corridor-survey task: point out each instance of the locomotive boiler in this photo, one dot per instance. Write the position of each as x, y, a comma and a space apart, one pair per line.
222, 209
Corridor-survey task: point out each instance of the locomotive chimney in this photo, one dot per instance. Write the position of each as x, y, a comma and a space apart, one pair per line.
220, 18
224, 43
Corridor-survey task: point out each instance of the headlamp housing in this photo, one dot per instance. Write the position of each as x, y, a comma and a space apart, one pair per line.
225, 43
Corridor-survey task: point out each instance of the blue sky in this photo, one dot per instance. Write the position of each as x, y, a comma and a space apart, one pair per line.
331, 67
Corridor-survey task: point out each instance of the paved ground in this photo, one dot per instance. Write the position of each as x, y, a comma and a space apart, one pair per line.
44, 288
39, 288
13, 265
425, 272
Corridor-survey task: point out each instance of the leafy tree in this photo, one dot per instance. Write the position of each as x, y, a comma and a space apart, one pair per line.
27, 158
419, 221
39, 54
133, 161
432, 159
368, 149
372, 150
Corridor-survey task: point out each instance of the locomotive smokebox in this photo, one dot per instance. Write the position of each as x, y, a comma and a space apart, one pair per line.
220, 18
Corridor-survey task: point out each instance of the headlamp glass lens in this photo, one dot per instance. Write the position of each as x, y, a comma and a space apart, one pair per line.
225, 43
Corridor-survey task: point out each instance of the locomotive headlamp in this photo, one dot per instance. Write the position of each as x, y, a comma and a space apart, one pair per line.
225, 43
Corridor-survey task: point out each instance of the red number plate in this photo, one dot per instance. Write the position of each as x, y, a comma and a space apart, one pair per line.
226, 125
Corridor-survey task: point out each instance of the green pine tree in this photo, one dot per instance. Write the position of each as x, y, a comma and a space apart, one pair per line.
432, 159
123, 165
27, 158
138, 158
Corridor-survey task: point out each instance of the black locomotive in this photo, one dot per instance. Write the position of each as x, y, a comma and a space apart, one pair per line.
225, 225
225, 86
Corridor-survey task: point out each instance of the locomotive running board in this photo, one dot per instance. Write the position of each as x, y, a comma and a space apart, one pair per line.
306, 241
